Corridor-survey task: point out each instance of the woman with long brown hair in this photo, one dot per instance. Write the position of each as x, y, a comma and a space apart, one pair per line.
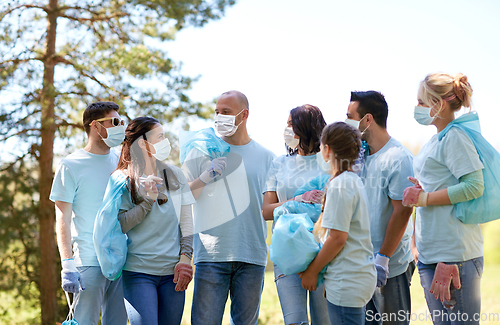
155, 214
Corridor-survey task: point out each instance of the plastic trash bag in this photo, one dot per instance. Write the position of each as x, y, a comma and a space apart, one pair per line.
204, 140
109, 241
293, 246
486, 207
312, 210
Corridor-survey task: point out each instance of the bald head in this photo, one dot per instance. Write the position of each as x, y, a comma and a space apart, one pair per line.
240, 98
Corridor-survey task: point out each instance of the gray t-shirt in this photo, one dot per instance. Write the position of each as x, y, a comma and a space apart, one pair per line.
228, 222
81, 179
385, 176
350, 278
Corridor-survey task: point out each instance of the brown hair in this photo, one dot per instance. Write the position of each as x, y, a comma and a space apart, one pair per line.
345, 142
132, 159
437, 88
307, 123
96, 111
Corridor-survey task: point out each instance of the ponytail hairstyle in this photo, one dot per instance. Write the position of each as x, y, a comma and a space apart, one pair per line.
132, 159
345, 142
438, 88
307, 123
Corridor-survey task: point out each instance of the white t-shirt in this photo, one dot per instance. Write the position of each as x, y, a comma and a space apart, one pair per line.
385, 176
350, 278
228, 222
81, 179
155, 243
288, 173
440, 236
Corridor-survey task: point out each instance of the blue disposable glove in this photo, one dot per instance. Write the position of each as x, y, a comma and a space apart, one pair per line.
382, 266
71, 280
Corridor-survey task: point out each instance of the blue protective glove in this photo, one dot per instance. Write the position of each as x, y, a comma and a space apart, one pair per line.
71, 281
382, 267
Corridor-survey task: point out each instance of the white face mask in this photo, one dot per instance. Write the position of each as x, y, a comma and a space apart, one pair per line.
353, 123
290, 139
423, 115
162, 149
224, 124
116, 135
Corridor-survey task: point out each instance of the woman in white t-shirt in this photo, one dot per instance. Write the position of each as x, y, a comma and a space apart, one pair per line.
343, 229
155, 213
447, 171
288, 173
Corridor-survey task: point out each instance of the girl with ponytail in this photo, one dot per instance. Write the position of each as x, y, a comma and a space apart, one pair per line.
344, 231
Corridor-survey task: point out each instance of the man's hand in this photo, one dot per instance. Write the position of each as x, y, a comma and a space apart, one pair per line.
71, 280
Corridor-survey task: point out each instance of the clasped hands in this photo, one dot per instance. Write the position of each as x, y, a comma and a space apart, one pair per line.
147, 186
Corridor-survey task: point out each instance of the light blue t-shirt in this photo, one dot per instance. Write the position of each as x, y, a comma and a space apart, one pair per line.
228, 222
385, 176
81, 179
440, 236
288, 173
155, 243
350, 278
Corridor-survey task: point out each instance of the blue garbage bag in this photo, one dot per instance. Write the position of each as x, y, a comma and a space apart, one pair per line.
109, 241
293, 246
486, 207
204, 140
312, 210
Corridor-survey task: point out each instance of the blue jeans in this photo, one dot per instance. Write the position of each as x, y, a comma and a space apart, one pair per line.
100, 293
392, 302
346, 315
213, 281
293, 300
152, 299
465, 304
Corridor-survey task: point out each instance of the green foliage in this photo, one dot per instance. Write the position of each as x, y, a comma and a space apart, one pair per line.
114, 50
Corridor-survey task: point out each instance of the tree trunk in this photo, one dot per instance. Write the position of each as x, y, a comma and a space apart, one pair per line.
48, 273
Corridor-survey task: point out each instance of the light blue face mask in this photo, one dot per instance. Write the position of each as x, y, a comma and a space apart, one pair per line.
423, 115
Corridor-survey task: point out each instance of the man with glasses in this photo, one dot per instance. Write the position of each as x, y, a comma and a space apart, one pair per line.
78, 190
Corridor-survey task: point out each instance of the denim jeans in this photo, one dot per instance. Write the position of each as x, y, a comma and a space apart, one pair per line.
346, 315
100, 293
293, 300
213, 281
464, 306
152, 299
392, 302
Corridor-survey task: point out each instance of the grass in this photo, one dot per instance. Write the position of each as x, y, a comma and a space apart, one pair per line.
270, 310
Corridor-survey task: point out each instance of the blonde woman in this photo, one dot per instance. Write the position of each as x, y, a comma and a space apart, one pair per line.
448, 171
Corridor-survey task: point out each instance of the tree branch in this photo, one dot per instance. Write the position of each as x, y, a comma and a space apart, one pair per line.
9, 166
18, 133
66, 123
27, 6
96, 18
17, 61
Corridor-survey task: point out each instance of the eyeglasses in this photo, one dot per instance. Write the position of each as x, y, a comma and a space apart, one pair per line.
162, 199
115, 120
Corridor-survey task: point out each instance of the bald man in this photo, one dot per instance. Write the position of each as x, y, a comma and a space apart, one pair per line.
230, 251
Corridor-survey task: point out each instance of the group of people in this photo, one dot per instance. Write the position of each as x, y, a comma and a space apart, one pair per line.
214, 210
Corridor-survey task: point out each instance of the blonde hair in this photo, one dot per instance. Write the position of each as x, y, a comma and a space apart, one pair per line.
345, 142
438, 88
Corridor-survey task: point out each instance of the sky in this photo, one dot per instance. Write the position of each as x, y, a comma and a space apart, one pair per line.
283, 54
